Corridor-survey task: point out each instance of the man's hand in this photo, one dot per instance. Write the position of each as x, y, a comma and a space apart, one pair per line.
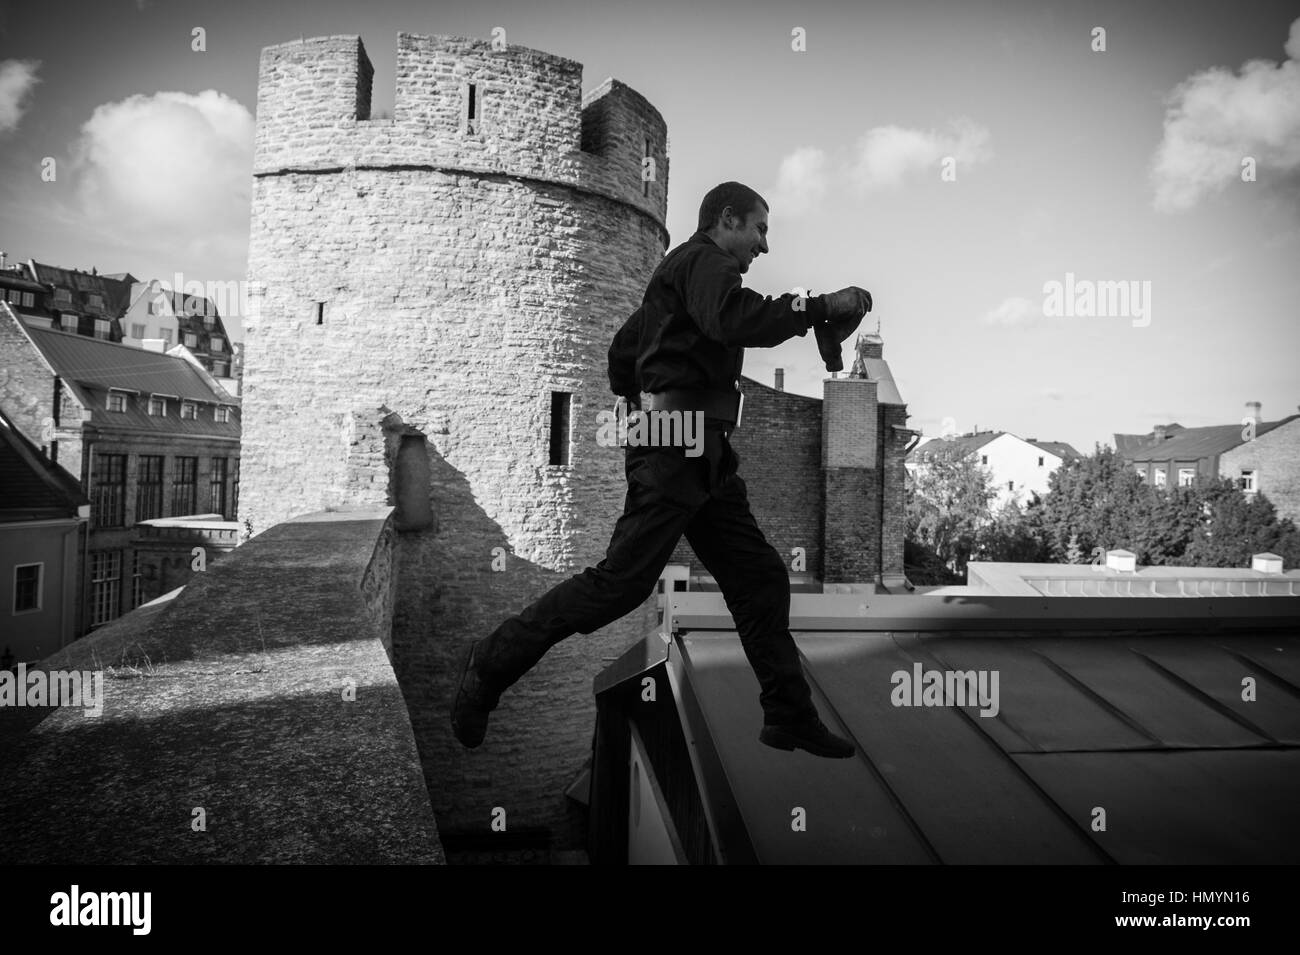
844, 312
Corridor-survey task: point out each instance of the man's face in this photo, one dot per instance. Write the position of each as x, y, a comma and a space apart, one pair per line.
745, 240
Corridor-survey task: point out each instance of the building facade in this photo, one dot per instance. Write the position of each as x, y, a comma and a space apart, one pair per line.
42, 516
147, 436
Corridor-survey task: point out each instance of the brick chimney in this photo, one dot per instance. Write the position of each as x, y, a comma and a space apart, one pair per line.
1160, 433
863, 473
780, 379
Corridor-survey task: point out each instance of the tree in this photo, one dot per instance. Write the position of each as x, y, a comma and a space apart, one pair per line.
947, 503
1236, 526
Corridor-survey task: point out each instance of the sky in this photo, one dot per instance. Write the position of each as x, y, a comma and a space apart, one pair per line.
981, 167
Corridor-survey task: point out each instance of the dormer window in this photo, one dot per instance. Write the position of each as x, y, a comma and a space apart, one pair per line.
157, 406
221, 414
116, 401
96, 301
189, 411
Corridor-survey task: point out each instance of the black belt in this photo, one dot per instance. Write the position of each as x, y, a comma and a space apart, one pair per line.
720, 405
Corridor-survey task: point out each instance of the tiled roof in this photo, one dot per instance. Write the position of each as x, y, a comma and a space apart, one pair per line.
1128, 443
1191, 444
1062, 450
958, 443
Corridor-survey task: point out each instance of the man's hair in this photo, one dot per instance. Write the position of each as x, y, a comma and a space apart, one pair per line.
742, 199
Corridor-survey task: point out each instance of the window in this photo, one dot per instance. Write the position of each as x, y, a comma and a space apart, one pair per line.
27, 587
471, 109
1247, 480
1040, 461
153, 306
103, 328
149, 488
1186, 476
62, 295
234, 489
1160, 477
116, 401
679, 586
984, 459
189, 411
137, 580
222, 414
217, 487
561, 403
645, 183
137, 329
106, 581
68, 322
1011, 485
29, 299
165, 334
96, 301
218, 343
1142, 472
108, 487
185, 486
221, 369
209, 321
320, 313
191, 340
157, 406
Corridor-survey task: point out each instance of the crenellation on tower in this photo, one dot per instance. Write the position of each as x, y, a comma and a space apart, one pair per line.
620, 129
460, 105
306, 86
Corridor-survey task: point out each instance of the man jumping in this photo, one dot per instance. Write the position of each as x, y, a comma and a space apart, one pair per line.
682, 350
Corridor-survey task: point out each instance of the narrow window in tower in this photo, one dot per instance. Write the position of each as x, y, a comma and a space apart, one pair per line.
320, 313
561, 405
645, 183
471, 109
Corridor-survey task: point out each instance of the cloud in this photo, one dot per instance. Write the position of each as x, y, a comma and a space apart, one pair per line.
801, 181
169, 171
1016, 310
17, 77
887, 154
1215, 118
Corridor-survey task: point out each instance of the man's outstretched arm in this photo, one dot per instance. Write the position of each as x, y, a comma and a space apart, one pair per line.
738, 317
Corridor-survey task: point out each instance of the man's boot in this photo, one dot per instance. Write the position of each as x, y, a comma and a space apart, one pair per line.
490, 666
474, 701
810, 734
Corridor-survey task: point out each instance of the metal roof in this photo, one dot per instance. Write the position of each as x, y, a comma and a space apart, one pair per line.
102, 364
1100, 703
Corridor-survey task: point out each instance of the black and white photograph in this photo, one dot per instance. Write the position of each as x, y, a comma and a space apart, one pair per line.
511, 434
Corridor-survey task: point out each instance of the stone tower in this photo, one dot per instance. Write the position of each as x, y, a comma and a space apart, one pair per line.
463, 264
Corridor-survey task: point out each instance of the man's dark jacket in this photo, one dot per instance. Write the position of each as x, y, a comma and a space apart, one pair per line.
695, 322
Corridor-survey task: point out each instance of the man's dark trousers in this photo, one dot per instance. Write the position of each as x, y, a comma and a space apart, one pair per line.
670, 493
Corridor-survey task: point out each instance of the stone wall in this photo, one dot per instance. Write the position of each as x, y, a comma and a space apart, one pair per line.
262, 695
454, 274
